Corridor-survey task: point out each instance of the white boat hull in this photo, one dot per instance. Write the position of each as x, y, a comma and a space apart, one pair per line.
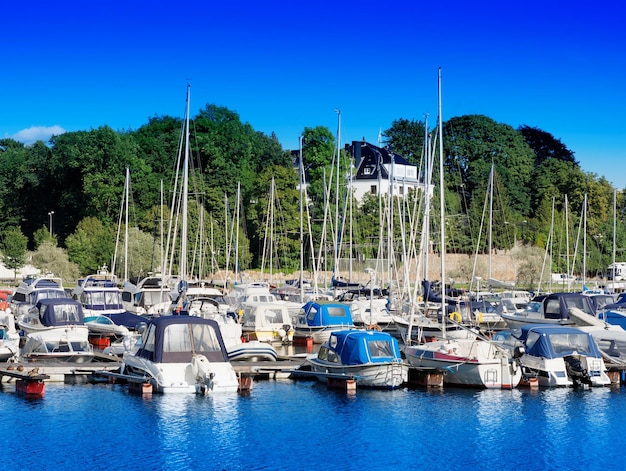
184, 378
471, 363
552, 372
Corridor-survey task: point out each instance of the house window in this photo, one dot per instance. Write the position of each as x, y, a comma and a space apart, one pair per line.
373, 189
401, 190
367, 170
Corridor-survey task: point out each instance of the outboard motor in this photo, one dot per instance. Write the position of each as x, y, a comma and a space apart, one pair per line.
576, 371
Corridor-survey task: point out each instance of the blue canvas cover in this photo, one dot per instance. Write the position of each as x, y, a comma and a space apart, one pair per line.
174, 339
357, 347
127, 319
60, 311
557, 341
319, 314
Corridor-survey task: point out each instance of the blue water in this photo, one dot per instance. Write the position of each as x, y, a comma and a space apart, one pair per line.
305, 426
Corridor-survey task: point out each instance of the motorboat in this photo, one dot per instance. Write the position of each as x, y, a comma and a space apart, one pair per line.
103, 325
99, 294
560, 356
9, 337
32, 289
253, 292
232, 332
475, 362
317, 319
182, 354
54, 330
266, 322
371, 357
551, 309
149, 295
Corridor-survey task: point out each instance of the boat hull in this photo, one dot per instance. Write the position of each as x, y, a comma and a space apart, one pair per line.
472, 364
388, 375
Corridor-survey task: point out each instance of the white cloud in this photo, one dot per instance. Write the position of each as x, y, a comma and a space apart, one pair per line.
37, 133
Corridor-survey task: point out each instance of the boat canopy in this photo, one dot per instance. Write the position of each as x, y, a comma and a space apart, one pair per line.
356, 347
127, 319
327, 313
557, 341
59, 311
175, 339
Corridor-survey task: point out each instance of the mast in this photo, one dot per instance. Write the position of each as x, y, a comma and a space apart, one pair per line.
441, 215
337, 233
185, 191
126, 224
301, 281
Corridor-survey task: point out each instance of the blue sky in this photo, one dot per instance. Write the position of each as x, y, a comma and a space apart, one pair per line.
284, 65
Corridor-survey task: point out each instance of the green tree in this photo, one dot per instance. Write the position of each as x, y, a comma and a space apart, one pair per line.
42, 235
91, 245
14, 245
472, 143
52, 259
406, 138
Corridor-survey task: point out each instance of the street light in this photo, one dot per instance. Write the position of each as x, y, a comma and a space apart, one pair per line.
50, 214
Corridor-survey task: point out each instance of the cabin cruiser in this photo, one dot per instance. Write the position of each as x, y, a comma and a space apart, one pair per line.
560, 356
182, 354
32, 289
99, 294
551, 309
150, 296
267, 322
54, 330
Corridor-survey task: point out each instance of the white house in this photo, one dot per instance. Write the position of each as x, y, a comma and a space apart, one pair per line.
378, 167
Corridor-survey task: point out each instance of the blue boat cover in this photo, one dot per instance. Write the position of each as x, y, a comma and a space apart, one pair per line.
127, 319
557, 341
174, 339
356, 347
319, 314
60, 311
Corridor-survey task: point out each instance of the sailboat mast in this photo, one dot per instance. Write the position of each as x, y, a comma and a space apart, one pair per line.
490, 219
337, 231
126, 225
183, 239
301, 281
442, 215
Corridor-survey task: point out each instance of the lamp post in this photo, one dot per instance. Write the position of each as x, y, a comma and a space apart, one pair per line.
50, 215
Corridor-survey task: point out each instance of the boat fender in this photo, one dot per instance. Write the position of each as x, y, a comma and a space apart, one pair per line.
419, 299
455, 316
479, 317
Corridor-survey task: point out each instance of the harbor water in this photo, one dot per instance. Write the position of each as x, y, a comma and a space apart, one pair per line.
303, 425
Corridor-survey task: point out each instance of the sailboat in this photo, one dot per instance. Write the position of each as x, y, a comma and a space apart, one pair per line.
182, 353
473, 362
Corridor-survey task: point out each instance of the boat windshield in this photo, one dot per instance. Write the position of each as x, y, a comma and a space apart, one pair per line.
380, 348
66, 313
565, 344
197, 338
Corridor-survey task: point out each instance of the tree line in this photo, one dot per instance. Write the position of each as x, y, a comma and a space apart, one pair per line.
61, 200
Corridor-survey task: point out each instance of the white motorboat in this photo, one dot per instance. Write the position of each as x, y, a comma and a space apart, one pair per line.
99, 294
150, 295
9, 337
32, 289
182, 354
560, 356
54, 330
266, 322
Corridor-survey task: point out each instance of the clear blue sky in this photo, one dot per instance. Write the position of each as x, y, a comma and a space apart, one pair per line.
284, 65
